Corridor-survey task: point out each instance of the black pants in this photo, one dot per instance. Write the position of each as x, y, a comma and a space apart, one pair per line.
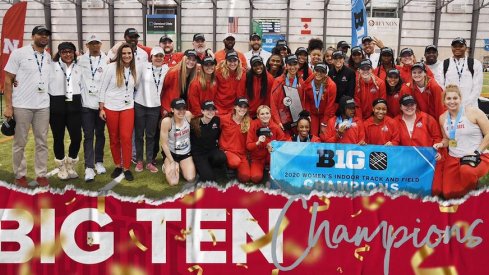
145, 123
93, 126
205, 163
65, 114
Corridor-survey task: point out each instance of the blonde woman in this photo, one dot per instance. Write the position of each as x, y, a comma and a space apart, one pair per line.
203, 87
231, 82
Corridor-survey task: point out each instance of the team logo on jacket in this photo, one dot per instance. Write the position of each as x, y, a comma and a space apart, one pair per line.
396, 95
214, 126
99, 69
419, 124
373, 90
385, 128
343, 79
287, 101
378, 161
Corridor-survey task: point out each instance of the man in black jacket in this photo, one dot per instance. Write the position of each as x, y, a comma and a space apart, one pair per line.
343, 76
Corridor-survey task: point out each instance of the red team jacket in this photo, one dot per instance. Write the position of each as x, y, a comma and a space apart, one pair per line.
257, 101
260, 151
366, 93
279, 111
170, 89
228, 90
393, 105
326, 108
232, 139
429, 101
383, 74
382, 133
197, 96
352, 135
406, 73
426, 131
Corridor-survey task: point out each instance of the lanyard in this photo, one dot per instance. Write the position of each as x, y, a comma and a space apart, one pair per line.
453, 127
157, 83
68, 77
126, 79
287, 82
461, 70
91, 67
339, 120
317, 95
39, 66
299, 139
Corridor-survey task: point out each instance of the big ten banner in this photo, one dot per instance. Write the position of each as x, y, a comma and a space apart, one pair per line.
386, 29
160, 23
299, 168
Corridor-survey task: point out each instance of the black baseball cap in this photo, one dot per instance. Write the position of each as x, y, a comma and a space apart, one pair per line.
164, 38
66, 46
256, 59
406, 100
366, 63
40, 29
338, 54
379, 100
198, 36
394, 71
8, 127
178, 103
240, 101
367, 38
300, 50
209, 60
292, 58
131, 32
419, 65
208, 105
342, 44
232, 55
190, 52
459, 40
347, 102
255, 35
321, 67
356, 49
281, 43
407, 51
386, 50
430, 47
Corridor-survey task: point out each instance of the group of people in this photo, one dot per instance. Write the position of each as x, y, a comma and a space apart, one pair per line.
218, 112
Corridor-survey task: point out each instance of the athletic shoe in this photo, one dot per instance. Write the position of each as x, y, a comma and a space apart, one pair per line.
42, 181
89, 174
150, 166
117, 171
139, 166
22, 182
128, 175
99, 167
134, 161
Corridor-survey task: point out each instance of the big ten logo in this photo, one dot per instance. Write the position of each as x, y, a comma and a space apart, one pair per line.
9, 45
341, 159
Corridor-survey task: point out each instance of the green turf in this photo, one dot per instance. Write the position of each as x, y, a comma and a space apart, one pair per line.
485, 85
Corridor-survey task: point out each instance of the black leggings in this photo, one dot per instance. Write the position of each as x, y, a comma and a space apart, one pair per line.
206, 162
65, 114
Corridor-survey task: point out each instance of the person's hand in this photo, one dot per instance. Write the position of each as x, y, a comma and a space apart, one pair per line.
437, 156
388, 143
281, 126
362, 142
269, 147
102, 115
342, 129
261, 139
8, 112
378, 42
438, 145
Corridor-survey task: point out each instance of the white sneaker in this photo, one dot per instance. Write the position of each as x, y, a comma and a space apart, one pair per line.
99, 166
89, 174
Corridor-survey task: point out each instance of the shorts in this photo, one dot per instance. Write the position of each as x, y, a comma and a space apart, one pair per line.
179, 158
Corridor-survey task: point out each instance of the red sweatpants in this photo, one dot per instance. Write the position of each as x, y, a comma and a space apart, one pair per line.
257, 167
458, 179
437, 186
315, 124
120, 125
241, 164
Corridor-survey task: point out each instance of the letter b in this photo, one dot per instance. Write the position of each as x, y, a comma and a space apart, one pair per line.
325, 158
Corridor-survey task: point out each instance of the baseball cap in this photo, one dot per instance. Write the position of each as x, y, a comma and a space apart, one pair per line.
66, 46
231, 55
406, 100
321, 67
406, 51
347, 102
394, 71
342, 44
208, 105
208, 60
366, 63
256, 59
338, 54
379, 100
367, 38
281, 43
430, 47
386, 50
459, 40
228, 35
40, 29
300, 50
190, 52
356, 49
164, 38
198, 36
254, 35
8, 127
157, 50
291, 59
93, 37
419, 65
178, 103
131, 32
241, 101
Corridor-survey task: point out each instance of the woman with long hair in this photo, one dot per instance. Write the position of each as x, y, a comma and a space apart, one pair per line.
356, 58
417, 128
304, 129
262, 131
147, 106
345, 127
205, 131
234, 130
117, 108
466, 134
328, 57
275, 65
386, 63
408, 59
175, 141
177, 80
303, 60
231, 79
319, 98
65, 109
203, 87
258, 85
379, 128
394, 91
368, 88
426, 91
